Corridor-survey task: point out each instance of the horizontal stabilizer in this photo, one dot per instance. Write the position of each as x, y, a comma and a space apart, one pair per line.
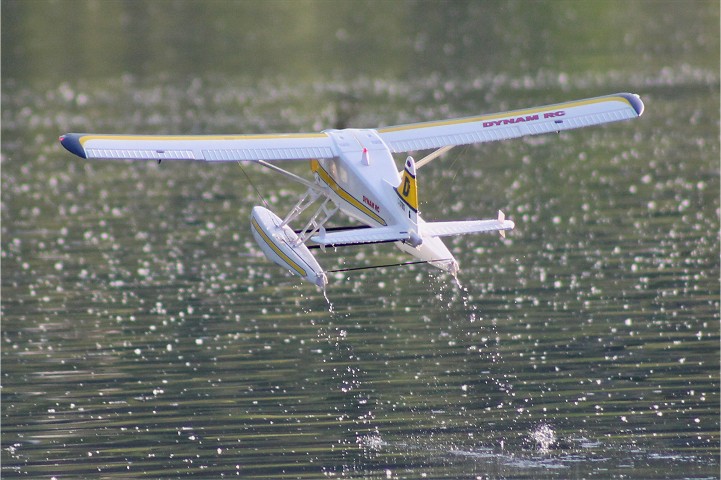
445, 229
361, 236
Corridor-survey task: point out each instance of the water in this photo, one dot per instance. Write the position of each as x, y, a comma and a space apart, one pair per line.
144, 334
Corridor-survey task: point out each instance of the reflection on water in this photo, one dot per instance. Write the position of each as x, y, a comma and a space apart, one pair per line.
144, 334
147, 334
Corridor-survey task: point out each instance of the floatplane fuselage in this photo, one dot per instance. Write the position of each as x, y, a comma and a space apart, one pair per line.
362, 182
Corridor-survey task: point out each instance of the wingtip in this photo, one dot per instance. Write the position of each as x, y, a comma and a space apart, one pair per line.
635, 101
71, 142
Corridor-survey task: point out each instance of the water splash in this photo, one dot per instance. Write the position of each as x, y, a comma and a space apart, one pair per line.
371, 442
330, 304
458, 282
544, 436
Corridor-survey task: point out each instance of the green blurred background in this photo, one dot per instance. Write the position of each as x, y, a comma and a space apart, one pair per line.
310, 39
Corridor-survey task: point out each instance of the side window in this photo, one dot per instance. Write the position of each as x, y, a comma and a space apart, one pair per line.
342, 173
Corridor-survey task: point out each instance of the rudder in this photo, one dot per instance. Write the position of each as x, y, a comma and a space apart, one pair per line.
408, 190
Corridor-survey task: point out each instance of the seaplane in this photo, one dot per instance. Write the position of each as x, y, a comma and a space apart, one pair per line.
354, 174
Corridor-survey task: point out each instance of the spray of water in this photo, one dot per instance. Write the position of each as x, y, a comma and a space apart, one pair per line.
544, 437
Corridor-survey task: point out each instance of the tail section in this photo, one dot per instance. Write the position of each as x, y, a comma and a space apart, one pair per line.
408, 191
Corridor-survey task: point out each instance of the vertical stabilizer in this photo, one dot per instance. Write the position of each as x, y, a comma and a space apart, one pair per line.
407, 190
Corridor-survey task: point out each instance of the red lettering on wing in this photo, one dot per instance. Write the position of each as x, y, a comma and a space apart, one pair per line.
510, 121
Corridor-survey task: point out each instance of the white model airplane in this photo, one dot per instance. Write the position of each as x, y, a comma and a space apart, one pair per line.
355, 173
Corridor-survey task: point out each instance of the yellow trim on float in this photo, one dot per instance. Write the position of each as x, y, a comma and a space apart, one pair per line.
316, 167
298, 269
512, 113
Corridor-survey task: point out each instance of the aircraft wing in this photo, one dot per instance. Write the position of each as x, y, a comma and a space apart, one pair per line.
210, 148
513, 124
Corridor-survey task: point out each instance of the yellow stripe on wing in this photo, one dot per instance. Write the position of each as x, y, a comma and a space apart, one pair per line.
512, 113
194, 138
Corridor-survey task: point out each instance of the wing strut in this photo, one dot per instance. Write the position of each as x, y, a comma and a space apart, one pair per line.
290, 175
430, 157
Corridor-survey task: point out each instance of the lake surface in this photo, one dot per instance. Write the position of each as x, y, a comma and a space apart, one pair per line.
145, 335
